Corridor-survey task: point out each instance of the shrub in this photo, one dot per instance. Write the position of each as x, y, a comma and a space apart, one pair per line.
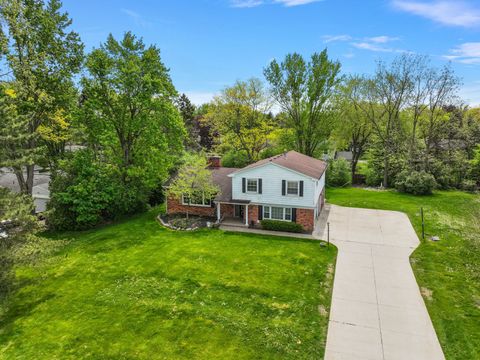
469, 185
277, 225
372, 177
339, 173
415, 182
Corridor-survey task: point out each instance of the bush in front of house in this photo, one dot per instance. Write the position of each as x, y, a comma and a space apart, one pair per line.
277, 225
415, 182
339, 173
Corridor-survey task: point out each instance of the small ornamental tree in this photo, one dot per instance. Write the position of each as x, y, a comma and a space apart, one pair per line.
193, 180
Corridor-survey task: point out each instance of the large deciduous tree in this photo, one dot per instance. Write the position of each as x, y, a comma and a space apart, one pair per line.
303, 90
129, 110
240, 115
355, 129
41, 56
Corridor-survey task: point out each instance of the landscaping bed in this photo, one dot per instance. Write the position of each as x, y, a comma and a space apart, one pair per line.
182, 222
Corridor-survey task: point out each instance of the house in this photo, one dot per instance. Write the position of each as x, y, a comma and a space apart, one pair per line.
286, 187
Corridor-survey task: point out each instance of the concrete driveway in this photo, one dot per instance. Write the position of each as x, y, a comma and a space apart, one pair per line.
377, 311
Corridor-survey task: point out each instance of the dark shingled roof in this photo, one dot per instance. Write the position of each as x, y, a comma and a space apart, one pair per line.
297, 162
220, 178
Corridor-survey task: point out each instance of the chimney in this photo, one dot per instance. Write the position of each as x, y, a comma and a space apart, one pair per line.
214, 161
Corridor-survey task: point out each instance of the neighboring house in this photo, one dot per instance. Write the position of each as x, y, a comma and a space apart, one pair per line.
347, 155
286, 187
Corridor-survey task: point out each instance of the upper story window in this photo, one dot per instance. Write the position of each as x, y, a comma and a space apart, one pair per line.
292, 188
252, 185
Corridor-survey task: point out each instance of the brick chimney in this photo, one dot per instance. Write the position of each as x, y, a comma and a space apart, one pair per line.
214, 161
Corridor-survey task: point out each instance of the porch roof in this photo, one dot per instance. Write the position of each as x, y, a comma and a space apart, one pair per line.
233, 201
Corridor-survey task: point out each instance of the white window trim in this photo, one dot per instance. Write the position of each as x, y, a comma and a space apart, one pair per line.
249, 191
298, 188
196, 205
270, 213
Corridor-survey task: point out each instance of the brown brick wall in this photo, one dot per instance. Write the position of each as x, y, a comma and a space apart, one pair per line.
252, 214
174, 206
227, 210
305, 217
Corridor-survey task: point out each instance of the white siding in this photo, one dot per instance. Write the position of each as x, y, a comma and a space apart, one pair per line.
272, 176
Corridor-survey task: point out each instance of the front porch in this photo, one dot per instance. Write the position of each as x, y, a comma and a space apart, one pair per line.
235, 213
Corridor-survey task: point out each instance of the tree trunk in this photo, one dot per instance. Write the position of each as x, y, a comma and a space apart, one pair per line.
385, 171
30, 175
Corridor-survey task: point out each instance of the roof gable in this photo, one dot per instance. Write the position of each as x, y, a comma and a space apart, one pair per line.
293, 161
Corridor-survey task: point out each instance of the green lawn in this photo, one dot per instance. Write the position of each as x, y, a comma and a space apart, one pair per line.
137, 291
448, 271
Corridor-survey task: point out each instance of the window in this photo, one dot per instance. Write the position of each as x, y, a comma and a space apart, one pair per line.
197, 200
288, 214
252, 185
292, 188
277, 213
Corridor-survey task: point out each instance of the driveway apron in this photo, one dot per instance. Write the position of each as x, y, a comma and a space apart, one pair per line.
377, 310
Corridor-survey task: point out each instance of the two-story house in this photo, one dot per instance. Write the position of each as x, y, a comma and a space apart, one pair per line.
286, 187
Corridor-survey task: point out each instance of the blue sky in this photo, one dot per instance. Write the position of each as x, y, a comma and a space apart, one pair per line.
208, 44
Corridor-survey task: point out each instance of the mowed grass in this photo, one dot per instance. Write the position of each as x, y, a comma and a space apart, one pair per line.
447, 271
138, 291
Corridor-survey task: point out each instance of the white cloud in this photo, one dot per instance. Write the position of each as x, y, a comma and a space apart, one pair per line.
383, 39
466, 53
471, 93
136, 17
332, 38
295, 2
255, 3
447, 12
246, 3
372, 47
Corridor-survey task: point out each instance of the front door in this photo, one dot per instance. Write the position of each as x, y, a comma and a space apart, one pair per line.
239, 210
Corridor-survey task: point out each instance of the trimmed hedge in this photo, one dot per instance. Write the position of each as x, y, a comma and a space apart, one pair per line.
277, 225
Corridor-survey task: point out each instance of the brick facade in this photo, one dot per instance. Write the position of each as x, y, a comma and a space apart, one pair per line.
174, 206
252, 214
306, 218
227, 210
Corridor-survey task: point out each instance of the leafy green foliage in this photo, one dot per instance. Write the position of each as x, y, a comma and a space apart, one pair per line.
415, 182
193, 179
84, 193
339, 173
137, 290
17, 227
303, 91
42, 56
277, 225
235, 159
239, 115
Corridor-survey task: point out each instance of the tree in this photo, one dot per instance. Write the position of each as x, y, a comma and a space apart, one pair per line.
382, 99
240, 116
355, 128
187, 110
303, 91
41, 57
193, 180
17, 227
128, 109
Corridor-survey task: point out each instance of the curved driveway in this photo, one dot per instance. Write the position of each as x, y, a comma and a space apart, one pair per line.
377, 311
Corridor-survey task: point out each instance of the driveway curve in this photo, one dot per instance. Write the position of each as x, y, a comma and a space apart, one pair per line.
377, 310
